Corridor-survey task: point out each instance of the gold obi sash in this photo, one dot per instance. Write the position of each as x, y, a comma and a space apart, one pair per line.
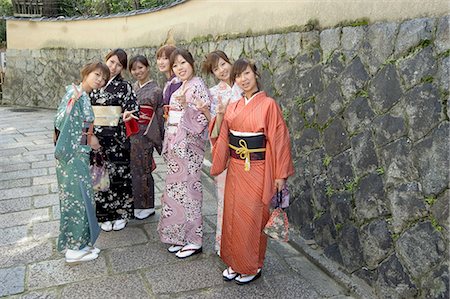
107, 115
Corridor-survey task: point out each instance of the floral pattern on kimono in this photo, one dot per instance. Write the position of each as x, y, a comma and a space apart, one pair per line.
78, 224
183, 151
142, 145
228, 95
117, 202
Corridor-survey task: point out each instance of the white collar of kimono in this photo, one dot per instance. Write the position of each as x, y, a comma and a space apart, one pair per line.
140, 86
245, 134
110, 80
248, 100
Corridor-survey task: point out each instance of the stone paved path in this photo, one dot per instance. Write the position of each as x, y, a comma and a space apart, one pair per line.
133, 263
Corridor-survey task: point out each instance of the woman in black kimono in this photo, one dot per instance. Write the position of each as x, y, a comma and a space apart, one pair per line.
114, 105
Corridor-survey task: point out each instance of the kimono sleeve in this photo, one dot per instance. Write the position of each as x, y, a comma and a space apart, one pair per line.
220, 150
130, 102
61, 111
193, 120
280, 143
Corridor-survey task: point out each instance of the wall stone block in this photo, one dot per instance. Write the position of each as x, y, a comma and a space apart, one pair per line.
353, 78
440, 211
434, 172
341, 207
364, 157
324, 230
358, 114
443, 35
293, 44
397, 163
436, 285
424, 109
424, 236
412, 32
370, 198
378, 45
388, 128
328, 103
336, 138
351, 40
350, 247
385, 89
376, 242
330, 40
333, 68
320, 198
418, 67
444, 74
393, 281
310, 82
316, 162
407, 205
340, 172
309, 140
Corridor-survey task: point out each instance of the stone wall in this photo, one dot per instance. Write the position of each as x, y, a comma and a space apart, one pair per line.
368, 112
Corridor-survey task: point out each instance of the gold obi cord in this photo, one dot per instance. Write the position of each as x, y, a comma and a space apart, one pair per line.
240, 148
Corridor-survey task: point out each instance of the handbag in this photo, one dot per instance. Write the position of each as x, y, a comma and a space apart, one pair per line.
277, 227
285, 197
100, 177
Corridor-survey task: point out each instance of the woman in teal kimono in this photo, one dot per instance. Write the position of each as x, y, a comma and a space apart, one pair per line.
79, 228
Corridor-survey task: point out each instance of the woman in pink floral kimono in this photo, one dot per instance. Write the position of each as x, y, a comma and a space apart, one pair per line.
184, 146
218, 64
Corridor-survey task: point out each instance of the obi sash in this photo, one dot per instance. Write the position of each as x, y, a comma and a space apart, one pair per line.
145, 114
107, 115
247, 148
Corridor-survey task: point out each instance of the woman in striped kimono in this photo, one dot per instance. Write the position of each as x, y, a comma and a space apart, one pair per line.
254, 147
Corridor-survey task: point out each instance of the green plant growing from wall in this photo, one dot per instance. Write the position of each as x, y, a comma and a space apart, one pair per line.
380, 170
435, 224
329, 191
351, 186
326, 160
430, 200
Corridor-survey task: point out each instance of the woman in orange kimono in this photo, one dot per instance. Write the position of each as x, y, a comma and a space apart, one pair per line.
254, 146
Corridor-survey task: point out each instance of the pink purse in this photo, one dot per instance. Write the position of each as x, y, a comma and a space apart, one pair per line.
277, 227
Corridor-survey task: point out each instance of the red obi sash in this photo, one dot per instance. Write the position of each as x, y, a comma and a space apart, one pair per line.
145, 116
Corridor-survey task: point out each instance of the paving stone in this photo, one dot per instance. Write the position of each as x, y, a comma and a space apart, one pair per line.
23, 174
139, 257
57, 272
15, 145
56, 212
12, 280
23, 191
47, 179
184, 276
20, 159
124, 237
23, 217
43, 164
322, 283
12, 151
45, 200
49, 151
45, 230
44, 294
14, 167
14, 205
123, 286
24, 254
15, 234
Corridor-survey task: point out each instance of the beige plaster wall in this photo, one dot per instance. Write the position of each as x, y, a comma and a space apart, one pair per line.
203, 17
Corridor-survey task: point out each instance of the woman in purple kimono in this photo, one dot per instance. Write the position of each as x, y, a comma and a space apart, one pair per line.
184, 146
149, 136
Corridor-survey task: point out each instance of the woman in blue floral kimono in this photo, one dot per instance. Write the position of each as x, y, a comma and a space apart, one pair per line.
79, 228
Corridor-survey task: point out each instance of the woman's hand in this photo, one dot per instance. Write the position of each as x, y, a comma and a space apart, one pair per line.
221, 105
181, 97
279, 184
95, 144
128, 115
